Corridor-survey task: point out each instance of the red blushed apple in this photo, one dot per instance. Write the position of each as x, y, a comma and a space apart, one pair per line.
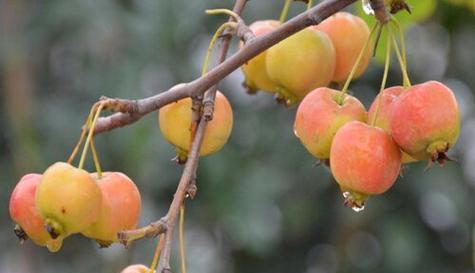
364, 161
384, 113
25, 214
425, 121
319, 117
120, 209
349, 34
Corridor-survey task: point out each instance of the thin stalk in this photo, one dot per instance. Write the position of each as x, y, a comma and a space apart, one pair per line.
285, 11
89, 136
401, 38
385, 75
215, 37
181, 239
405, 76
223, 11
356, 64
158, 250
309, 4
95, 157
85, 127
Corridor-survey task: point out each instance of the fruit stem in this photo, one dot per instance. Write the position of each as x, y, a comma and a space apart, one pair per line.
402, 63
91, 133
95, 157
223, 11
385, 74
401, 38
285, 11
81, 138
355, 65
309, 4
181, 239
158, 250
215, 37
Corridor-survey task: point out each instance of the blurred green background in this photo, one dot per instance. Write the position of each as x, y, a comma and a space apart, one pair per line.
261, 206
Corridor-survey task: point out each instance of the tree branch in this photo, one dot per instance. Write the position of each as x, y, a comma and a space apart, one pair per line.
251, 49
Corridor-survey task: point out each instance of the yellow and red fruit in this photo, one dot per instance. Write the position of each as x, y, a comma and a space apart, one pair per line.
364, 161
175, 125
301, 63
255, 72
120, 209
425, 121
319, 117
23, 211
383, 115
348, 33
68, 199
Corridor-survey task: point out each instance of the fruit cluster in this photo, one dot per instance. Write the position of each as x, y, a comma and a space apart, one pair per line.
65, 200
364, 150
311, 58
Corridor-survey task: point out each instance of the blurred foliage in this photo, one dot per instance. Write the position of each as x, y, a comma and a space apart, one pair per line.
261, 206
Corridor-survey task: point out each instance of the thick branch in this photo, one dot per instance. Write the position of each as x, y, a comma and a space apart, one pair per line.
144, 106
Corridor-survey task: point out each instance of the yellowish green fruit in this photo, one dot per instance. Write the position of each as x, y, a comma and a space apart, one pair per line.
301, 63
175, 124
68, 199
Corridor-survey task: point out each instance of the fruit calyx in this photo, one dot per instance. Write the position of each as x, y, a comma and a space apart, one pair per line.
250, 89
20, 233
54, 228
285, 97
438, 152
354, 200
181, 156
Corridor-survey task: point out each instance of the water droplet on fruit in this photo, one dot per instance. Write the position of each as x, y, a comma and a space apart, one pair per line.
367, 7
296, 134
350, 202
357, 208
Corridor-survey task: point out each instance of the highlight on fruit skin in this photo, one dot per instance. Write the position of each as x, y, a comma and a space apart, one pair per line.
137, 268
119, 210
425, 121
383, 115
68, 199
175, 124
319, 116
364, 161
24, 213
255, 72
301, 63
348, 34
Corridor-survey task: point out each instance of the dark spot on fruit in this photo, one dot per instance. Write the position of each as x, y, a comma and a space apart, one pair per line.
63, 210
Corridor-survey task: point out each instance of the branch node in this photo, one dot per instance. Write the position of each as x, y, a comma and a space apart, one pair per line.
380, 11
208, 109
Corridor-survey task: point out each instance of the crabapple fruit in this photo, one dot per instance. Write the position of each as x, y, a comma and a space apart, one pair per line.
68, 199
301, 63
383, 114
120, 209
175, 124
319, 116
23, 211
348, 33
364, 161
425, 121
255, 72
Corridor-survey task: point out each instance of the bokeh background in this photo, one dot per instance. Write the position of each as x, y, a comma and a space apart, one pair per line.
262, 205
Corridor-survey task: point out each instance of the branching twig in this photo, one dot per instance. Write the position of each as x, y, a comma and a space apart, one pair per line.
255, 46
